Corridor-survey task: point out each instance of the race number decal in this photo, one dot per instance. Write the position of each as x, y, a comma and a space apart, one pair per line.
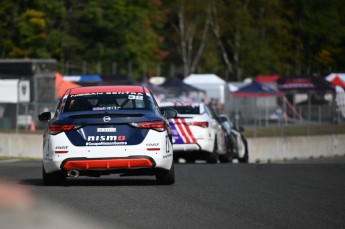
138, 97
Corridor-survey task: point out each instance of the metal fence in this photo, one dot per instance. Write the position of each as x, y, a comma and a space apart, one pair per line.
260, 121
23, 116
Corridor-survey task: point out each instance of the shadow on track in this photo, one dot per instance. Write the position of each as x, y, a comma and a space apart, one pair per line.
95, 182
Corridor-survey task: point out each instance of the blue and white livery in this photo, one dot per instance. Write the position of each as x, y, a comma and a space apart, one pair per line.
107, 129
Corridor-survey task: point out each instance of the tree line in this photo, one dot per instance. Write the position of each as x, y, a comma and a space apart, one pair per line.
234, 39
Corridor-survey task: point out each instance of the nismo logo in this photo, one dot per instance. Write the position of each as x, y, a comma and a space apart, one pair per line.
106, 138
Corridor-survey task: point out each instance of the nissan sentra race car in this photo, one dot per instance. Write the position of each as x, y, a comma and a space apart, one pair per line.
197, 133
107, 129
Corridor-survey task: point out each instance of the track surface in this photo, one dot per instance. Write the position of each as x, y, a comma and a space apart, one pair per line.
298, 195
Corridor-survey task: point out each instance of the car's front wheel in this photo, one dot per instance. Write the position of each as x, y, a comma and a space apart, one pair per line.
166, 177
56, 178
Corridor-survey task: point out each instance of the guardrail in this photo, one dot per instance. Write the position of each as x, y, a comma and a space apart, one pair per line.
261, 150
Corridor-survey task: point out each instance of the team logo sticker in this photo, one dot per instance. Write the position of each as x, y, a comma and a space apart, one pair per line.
106, 119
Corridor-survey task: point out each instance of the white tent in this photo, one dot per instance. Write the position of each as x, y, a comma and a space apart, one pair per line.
331, 76
203, 79
215, 87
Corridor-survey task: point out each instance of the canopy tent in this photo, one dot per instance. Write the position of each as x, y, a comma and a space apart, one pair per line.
256, 89
207, 79
179, 86
313, 96
178, 90
155, 89
257, 100
83, 78
304, 84
62, 85
331, 76
216, 88
118, 80
267, 79
338, 81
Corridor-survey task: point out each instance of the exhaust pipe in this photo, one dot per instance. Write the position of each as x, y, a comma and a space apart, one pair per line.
73, 173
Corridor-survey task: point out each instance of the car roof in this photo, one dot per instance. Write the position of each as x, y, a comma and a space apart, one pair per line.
99, 89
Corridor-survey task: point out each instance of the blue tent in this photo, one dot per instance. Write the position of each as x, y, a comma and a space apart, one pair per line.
256, 89
83, 78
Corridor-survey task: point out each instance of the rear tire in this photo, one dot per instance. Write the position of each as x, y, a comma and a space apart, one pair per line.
226, 157
166, 177
213, 157
245, 158
56, 178
229, 152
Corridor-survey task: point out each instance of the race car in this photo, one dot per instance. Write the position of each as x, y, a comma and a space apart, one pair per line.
196, 132
237, 143
102, 130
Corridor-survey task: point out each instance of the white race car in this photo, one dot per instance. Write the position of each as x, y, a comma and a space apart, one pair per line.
197, 133
107, 129
237, 142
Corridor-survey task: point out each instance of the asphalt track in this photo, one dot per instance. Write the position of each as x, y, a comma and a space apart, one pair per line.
309, 194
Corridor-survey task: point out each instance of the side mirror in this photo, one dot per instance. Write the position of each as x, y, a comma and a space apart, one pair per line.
169, 112
45, 116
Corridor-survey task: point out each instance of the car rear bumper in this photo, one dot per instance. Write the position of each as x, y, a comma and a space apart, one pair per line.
206, 145
107, 163
154, 152
186, 147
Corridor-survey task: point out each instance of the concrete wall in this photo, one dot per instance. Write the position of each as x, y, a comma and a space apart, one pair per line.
260, 149
290, 148
21, 145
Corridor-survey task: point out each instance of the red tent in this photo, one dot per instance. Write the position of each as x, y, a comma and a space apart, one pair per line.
62, 85
338, 81
267, 79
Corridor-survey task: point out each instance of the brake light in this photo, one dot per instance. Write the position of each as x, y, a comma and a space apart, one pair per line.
198, 123
158, 125
58, 128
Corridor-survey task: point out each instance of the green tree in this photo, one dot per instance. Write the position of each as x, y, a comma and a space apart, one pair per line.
23, 28
318, 29
189, 22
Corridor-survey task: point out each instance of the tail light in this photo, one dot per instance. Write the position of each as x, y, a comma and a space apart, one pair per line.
201, 124
159, 126
58, 128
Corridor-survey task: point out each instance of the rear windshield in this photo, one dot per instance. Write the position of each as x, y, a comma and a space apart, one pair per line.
190, 109
107, 101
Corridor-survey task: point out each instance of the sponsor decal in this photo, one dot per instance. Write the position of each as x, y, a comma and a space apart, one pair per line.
105, 108
107, 130
106, 138
105, 143
152, 144
61, 147
106, 119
